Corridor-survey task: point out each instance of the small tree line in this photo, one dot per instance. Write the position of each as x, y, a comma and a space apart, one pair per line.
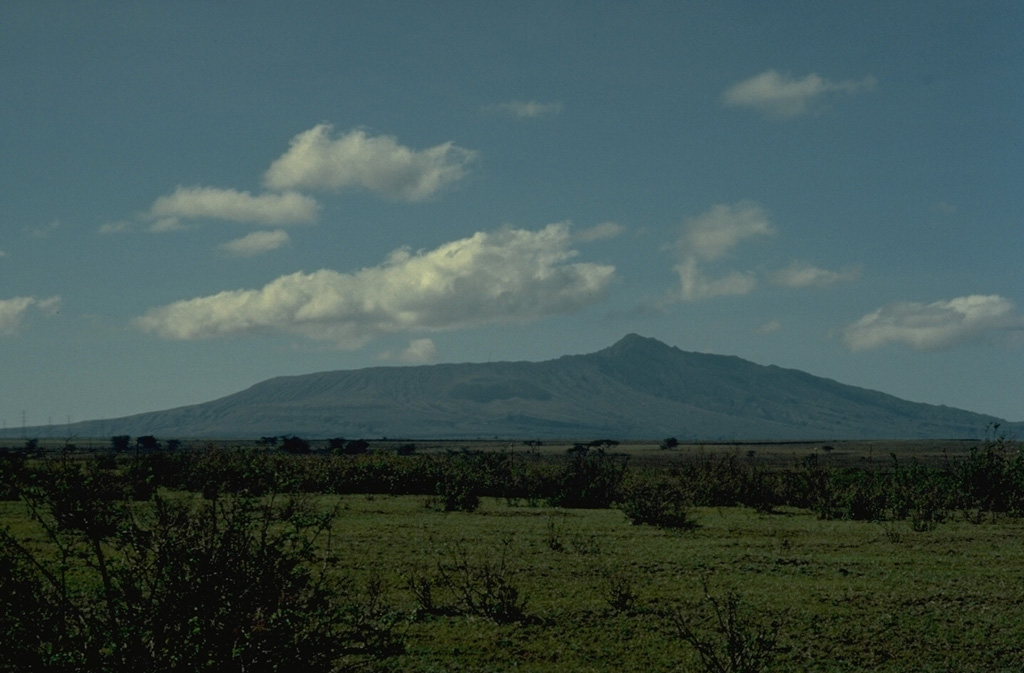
988, 480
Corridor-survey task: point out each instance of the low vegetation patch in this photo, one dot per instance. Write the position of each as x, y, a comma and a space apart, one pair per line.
258, 560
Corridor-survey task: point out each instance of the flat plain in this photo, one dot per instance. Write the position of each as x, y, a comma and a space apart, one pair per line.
587, 590
850, 596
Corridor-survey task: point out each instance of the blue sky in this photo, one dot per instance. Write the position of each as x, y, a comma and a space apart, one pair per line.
198, 196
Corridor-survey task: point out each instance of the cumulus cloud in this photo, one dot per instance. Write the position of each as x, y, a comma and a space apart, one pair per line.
510, 275
709, 237
12, 311
783, 96
801, 274
526, 110
934, 326
418, 352
165, 224
228, 204
379, 164
256, 243
712, 234
598, 232
696, 286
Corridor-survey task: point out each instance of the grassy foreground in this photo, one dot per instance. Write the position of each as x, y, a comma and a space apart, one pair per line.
235, 561
603, 595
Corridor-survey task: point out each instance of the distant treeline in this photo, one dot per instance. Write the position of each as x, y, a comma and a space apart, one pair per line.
989, 479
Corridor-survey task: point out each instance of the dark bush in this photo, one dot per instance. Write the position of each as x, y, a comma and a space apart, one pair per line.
228, 584
357, 446
991, 479
728, 636
589, 479
459, 482
657, 502
294, 445
483, 587
715, 481
12, 474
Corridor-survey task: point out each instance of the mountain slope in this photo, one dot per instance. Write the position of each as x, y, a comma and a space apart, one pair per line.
637, 388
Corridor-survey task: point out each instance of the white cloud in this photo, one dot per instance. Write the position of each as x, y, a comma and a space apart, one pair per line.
696, 286
46, 230
934, 326
229, 204
165, 224
801, 274
419, 351
526, 110
510, 275
712, 234
769, 327
50, 305
256, 243
12, 311
598, 232
118, 227
379, 164
783, 96
709, 237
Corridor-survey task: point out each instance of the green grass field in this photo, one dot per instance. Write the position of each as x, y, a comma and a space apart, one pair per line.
514, 586
851, 596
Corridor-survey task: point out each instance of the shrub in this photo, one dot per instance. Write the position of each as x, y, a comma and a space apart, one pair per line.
764, 490
484, 588
373, 624
297, 445
728, 636
12, 474
619, 592
226, 584
341, 447
657, 503
991, 479
458, 484
590, 479
715, 481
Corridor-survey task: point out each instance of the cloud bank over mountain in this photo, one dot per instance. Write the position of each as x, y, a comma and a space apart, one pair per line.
505, 276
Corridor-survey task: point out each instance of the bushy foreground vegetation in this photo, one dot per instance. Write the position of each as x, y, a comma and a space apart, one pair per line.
255, 560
